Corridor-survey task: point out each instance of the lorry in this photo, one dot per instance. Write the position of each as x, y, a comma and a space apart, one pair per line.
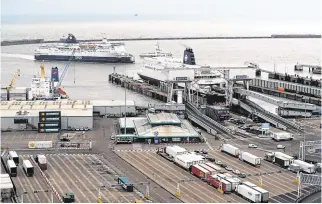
210, 169
216, 181
281, 136
125, 183
264, 193
14, 156
215, 166
231, 180
28, 168
234, 151
187, 160
175, 150
68, 197
6, 186
248, 193
282, 159
305, 167
250, 158
41, 161
12, 168
200, 172
294, 168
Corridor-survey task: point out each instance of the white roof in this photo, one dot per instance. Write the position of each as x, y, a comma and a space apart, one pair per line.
27, 163
129, 121
112, 103
32, 108
11, 163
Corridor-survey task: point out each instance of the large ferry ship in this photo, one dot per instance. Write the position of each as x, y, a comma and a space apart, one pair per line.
109, 52
208, 83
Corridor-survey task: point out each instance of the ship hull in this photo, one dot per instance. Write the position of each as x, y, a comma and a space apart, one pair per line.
127, 59
211, 98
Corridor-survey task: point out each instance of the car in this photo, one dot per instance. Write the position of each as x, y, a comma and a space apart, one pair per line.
228, 168
197, 151
203, 152
223, 165
236, 172
280, 146
252, 146
211, 159
242, 175
218, 162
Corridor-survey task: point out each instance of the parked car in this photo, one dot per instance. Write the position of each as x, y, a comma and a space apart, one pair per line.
211, 159
280, 146
218, 162
252, 146
236, 172
228, 168
223, 165
242, 175
203, 152
197, 151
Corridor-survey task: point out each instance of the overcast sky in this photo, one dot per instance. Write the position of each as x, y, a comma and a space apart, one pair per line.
279, 11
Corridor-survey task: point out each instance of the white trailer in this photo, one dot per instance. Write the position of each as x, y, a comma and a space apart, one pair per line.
28, 168
14, 156
305, 167
264, 194
175, 150
248, 193
6, 186
40, 144
281, 136
215, 166
211, 170
250, 158
183, 161
42, 161
232, 181
282, 159
12, 168
230, 149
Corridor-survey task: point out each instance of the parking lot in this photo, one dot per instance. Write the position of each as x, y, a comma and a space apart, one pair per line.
19, 140
167, 175
83, 175
279, 183
28, 185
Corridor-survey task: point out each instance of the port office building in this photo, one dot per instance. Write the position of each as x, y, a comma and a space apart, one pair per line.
166, 127
74, 114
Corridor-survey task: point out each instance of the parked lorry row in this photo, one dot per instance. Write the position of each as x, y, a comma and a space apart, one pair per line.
13, 163
285, 161
243, 156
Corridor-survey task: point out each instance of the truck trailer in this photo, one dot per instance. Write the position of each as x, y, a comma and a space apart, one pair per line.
175, 150
200, 172
282, 159
28, 168
305, 167
250, 158
234, 151
282, 136
248, 193
14, 156
216, 181
12, 168
42, 161
215, 166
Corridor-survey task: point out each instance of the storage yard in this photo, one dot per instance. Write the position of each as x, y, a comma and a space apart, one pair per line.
76, 173
277, 181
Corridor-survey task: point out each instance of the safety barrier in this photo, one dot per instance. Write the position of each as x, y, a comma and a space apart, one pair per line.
311, 192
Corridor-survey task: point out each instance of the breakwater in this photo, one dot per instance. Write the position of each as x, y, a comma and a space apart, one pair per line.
37, 41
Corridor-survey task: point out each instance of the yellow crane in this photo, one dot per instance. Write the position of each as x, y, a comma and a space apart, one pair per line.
42, 71
13, 81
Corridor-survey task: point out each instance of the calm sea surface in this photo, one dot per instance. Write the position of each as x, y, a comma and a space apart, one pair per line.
91, 79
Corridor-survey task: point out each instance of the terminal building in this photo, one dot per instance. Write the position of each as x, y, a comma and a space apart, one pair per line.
78, 114
157, 128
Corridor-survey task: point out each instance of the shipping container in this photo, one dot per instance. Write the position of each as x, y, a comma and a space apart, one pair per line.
215, 166
248, 193
12, 168
126, 183
175, 150
40, 144
200, 172
234, 151
216, 181
28, 168
305, 167
14, 156
250, 158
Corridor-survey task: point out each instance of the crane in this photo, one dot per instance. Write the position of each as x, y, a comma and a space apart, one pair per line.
59, 90
13, 81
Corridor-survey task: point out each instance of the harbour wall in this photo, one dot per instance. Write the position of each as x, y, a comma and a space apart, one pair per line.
37, 41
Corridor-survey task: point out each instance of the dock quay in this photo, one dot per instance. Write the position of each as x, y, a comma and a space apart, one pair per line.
37, 41
158, 93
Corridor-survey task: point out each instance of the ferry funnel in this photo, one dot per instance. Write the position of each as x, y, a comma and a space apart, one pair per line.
189, 57
54, 74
